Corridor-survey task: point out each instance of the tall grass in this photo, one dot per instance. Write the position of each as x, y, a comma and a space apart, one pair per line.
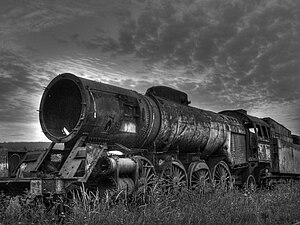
280, 205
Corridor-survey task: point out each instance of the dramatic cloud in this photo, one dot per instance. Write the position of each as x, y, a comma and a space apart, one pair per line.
224, 54
250, 47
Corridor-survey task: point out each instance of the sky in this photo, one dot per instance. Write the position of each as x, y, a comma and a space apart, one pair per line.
224, 54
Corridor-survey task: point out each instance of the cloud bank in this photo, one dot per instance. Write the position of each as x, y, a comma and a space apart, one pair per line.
224, 54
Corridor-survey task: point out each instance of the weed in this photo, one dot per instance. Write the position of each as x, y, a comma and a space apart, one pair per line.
280, 205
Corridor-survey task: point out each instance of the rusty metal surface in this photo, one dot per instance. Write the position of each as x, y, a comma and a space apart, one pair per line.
93, 154
72, 163
30, 162
238, 148
75, 110
99, 110
289, 157
264, 151
169, 94
286, 161
134, 120
278, 130
193, 130
16, 163
257, 136
296, 152
109, 165
42, 186
3, 163
81, 165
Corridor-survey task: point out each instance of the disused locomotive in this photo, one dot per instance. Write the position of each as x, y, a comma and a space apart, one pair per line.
118, 138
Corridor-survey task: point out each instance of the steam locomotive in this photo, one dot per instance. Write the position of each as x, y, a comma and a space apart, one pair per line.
115, 138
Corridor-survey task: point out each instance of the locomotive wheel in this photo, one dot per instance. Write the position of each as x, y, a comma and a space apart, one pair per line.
222, 176
173, 176
251, 183
199, 176
146, 175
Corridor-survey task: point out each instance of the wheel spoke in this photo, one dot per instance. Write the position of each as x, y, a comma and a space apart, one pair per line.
195, 176
182, 177
176, 171
147, 172
222, 175
146, 177
199, 176
218, 173
206, 177
174, 176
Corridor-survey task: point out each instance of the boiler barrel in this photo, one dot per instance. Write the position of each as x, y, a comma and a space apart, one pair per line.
190, 129
72, 106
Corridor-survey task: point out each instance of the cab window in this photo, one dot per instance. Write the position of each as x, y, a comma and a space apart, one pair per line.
262, 132
258, 129
265, 132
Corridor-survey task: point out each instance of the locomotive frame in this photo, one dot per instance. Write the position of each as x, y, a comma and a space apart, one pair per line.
116, 138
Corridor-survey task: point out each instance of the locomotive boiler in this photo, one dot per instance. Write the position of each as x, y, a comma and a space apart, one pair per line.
115, 138
73, 106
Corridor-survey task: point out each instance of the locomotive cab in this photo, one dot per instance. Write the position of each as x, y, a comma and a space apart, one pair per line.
258, 147
261, 133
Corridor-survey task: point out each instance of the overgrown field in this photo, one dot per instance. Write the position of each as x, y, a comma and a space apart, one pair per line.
278, 206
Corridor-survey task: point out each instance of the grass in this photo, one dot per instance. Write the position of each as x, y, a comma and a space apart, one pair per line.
278, 206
